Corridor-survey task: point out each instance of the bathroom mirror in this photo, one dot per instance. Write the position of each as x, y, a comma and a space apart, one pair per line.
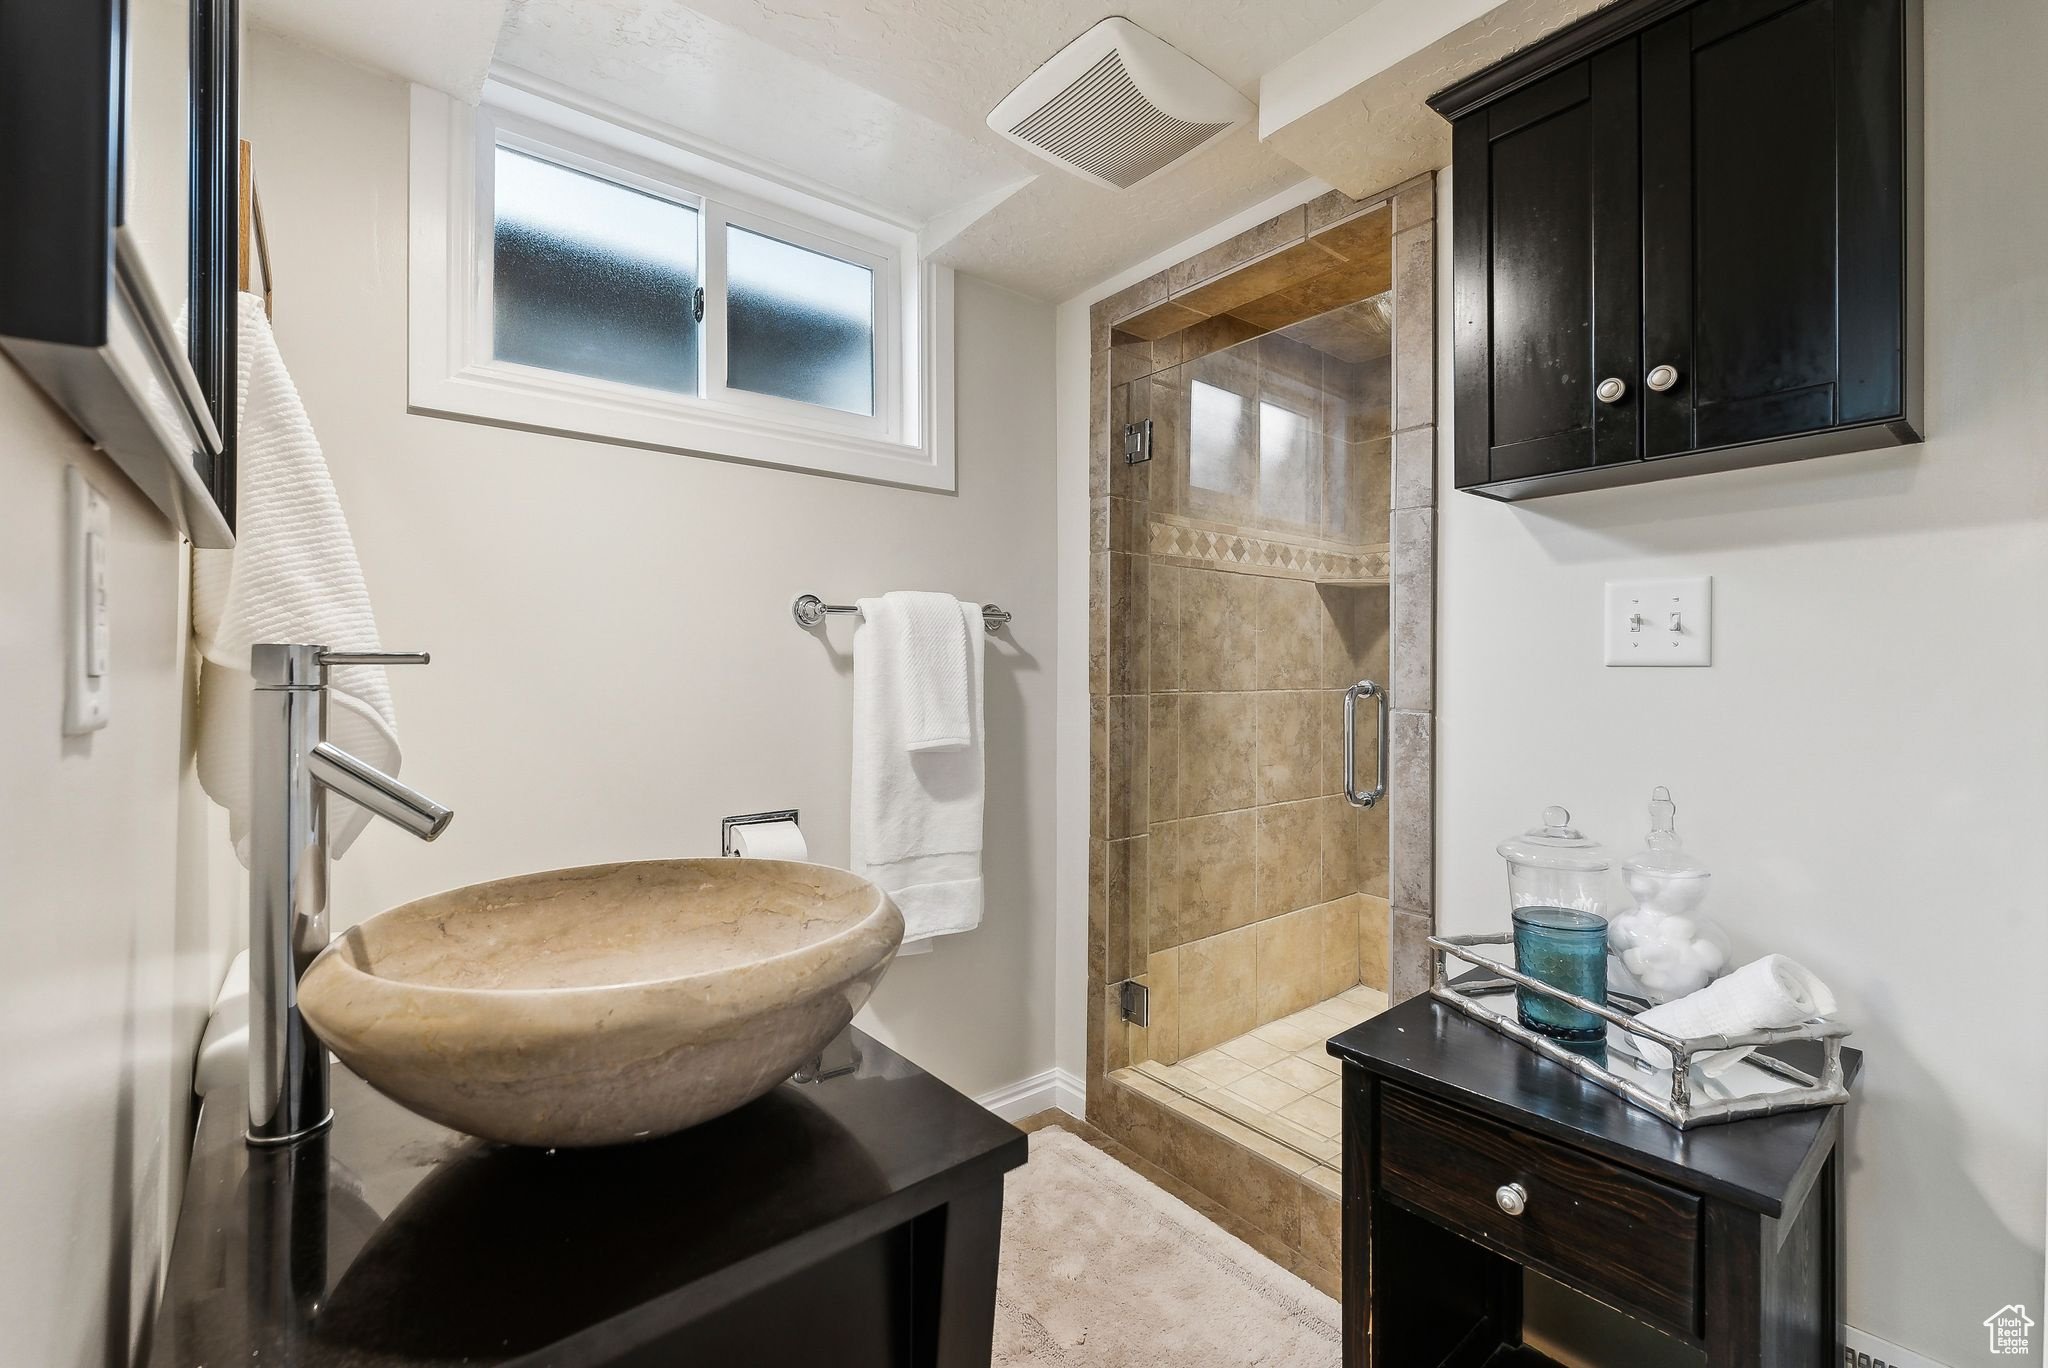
119, 188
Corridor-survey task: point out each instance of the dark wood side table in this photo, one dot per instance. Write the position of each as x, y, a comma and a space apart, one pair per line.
1468, 1158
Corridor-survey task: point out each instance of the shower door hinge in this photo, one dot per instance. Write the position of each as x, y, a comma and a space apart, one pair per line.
1135, 1002
697, 304
1138, 442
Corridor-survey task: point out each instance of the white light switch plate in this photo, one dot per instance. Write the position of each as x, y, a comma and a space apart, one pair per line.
1660, 622
87, 674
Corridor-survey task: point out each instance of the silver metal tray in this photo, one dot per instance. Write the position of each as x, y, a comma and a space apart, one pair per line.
1682, 1093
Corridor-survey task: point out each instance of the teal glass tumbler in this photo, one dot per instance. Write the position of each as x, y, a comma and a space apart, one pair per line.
1565, 948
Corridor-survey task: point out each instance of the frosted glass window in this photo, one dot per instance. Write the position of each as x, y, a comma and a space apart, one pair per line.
799, 324
1285, 454
1216, 436
592, 278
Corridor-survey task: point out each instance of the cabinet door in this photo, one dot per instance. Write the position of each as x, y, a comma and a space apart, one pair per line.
1773, 224
1548, 299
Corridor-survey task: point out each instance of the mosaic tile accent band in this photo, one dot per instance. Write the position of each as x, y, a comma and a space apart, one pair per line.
1268, 555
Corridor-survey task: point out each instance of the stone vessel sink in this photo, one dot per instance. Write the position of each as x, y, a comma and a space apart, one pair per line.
602, 1005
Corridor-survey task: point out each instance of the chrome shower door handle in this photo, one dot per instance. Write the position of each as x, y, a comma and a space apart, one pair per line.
1364, 688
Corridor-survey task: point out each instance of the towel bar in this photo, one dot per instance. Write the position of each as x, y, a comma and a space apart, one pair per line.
809, 610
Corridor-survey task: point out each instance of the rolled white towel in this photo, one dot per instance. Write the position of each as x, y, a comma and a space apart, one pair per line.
1762, 995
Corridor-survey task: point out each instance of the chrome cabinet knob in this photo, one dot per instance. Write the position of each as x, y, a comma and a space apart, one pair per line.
1512, 1198
1610, 390
1661, 378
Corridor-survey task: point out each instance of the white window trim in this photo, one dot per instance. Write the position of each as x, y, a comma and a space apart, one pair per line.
451, 373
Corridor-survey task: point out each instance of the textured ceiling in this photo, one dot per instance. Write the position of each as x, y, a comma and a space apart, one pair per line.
723, 84
445, 44
1059, 234
884, 101
1380, 133
952, 60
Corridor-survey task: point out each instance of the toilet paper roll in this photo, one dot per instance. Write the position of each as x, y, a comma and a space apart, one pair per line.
770, 841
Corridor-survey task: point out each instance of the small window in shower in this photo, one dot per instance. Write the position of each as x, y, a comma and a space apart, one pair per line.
1217, 440
1288, 477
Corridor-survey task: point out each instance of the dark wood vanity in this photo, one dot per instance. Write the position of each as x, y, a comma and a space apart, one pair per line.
851, 1221
1686, 238
1468, 1158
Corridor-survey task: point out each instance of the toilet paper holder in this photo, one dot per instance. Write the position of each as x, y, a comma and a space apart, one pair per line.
725, 826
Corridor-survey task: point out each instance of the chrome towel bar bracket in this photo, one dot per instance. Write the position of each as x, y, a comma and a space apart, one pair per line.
809, 610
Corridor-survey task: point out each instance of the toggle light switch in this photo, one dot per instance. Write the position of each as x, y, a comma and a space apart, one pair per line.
87, 704
1661, 622
99, 635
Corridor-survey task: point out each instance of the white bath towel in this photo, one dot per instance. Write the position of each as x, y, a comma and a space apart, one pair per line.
224, 1046
931, 664
918, 778
1762, 995
292, 576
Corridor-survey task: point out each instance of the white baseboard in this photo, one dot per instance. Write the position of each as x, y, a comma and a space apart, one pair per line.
1890, 1355
1055, 1089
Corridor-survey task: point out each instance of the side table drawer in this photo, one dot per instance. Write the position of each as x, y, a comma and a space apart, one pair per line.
1617, 1235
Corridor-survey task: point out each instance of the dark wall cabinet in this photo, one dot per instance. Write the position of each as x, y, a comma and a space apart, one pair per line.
1686, 238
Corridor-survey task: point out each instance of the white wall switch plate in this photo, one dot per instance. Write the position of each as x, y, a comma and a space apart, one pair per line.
89, 638
1660, 622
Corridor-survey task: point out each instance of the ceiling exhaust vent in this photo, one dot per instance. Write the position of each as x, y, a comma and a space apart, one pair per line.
1117, 105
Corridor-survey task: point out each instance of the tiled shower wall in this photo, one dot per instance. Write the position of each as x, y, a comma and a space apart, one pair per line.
1267, 888
1216, 628
1248, 887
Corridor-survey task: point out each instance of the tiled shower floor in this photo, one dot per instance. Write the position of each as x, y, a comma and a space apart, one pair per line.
1277, 1081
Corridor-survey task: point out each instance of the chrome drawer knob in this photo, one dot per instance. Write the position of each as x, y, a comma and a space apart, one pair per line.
1661, 378
1512, 1198
1610, 390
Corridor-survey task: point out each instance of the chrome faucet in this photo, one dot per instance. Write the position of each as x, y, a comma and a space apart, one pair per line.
292, 767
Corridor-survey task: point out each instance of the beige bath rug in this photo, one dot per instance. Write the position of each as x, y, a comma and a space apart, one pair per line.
1100, 1269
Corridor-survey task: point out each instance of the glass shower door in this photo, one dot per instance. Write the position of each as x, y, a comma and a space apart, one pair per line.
1263, 927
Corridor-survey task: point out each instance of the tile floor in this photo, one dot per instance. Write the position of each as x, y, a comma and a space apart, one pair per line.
1278, 1080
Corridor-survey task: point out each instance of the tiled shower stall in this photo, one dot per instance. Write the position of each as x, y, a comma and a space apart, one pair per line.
1270, 546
